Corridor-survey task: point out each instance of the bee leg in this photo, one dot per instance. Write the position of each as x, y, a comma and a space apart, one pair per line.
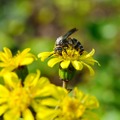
81, 51
65, 50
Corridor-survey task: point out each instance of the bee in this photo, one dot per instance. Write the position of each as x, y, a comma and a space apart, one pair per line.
63, 42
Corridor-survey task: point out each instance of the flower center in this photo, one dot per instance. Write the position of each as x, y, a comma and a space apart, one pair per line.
70, 54
20, 98
72, 108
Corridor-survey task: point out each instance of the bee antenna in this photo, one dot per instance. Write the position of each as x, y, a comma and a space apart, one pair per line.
69, 33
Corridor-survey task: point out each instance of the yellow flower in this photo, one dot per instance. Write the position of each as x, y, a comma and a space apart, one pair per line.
19, 100
76, 106
70, 57
10, 62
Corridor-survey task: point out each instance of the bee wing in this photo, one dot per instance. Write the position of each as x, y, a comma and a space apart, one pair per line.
69, 33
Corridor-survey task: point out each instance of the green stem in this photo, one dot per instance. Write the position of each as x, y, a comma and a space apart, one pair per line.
64, 84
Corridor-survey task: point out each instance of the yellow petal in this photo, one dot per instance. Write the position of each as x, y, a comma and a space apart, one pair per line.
4, 57
60, 92
91, 53
79, 94
35, 106
3, 91
24, 58
53, 61
26, 61
92, 102
64, 64
27, 115
48, 90
7, 52
2, 64
46, 113
92, 61
90, 69
3, 108
51, 102
25, 51
97, 62
3, 100
12, 114
87, 55
43, 81
11, 79
77, 65
45, 55
44, 91
32, 79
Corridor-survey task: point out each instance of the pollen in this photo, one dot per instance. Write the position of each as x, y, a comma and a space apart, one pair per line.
72, 108
70, 54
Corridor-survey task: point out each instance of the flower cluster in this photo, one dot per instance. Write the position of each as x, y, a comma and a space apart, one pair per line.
17, 99
28, 96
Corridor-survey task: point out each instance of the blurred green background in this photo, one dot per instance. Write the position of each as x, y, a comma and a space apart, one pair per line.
37, 24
